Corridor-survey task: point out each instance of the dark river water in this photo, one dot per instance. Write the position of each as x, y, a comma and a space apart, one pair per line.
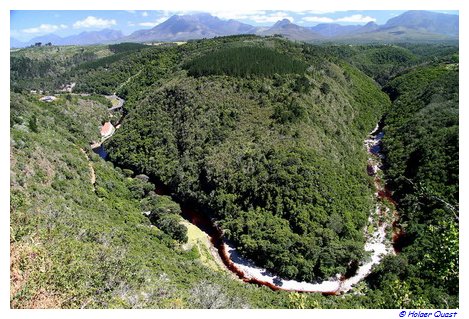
216, 235
101, 152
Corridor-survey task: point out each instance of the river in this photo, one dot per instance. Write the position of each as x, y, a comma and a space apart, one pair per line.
376, 243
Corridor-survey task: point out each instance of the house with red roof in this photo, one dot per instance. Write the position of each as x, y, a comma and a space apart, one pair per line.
107, 130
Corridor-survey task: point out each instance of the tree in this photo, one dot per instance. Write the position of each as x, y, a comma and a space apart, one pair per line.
33, 124
325, 88
171, 225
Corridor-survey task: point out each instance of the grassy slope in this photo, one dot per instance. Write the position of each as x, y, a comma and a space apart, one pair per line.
74, 247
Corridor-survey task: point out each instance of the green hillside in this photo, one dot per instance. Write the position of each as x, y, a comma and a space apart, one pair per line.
422, 147
273, 152
78, 245
261, 153
243, 61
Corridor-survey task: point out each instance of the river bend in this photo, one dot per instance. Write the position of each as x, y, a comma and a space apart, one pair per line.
377, 243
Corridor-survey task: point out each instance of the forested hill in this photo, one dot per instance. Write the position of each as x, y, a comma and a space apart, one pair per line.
267, 137
421, 143
79, 242
261, 134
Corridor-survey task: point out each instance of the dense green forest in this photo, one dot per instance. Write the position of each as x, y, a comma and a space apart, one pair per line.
421, 144
47, 68
75, 244
261, 154
272, 151
244, 61
384, 62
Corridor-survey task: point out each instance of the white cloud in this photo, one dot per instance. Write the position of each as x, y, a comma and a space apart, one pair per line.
148, 24
316, 12
259, 16
144, 14
271, 19
162, 19
318, 19
237, 14
45, 28
356, 18
92, 22
153, 23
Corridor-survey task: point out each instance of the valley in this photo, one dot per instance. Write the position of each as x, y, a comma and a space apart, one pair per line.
248, 272
262, 143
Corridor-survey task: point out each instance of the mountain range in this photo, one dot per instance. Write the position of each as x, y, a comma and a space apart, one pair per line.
84, 38
187, 27
409, 26
291, 31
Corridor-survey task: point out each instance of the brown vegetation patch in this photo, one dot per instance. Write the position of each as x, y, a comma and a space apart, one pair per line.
25, 260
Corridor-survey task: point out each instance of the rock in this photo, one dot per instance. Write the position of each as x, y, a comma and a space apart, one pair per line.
143, 177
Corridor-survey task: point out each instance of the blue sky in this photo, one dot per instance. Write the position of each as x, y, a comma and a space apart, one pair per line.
26, 24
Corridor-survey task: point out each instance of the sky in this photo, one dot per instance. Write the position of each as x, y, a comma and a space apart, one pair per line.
27, 24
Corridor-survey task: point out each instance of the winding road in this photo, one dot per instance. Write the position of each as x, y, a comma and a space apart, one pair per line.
120, 102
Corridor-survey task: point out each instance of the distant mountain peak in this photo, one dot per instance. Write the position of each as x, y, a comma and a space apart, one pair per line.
172, 18
434, 22
371, 24
292, 31
204, 15
84, 38
191, 26
281, 23
413, 25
